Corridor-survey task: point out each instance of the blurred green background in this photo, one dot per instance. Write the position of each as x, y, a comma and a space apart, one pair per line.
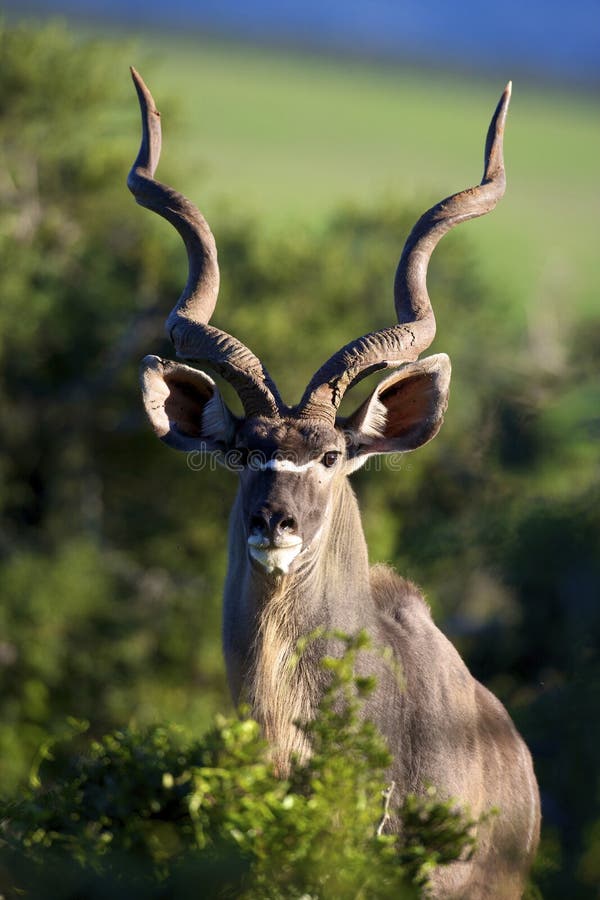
311, 172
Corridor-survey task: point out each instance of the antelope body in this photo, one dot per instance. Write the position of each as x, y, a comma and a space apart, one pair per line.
297, 552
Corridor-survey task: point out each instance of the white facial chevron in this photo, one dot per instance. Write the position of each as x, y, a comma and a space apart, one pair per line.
286, 465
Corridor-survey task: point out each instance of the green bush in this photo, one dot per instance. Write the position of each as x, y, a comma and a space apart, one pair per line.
157, 813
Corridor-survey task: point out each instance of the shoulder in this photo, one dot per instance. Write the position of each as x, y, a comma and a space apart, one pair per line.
396, 596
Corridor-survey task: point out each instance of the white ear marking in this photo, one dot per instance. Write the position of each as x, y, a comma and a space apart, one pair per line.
373, 424
215, 418
353, 463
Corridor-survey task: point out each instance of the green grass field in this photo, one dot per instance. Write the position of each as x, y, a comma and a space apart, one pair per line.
290, 137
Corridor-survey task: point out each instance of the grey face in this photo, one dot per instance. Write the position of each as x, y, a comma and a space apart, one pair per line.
290, 464
289, 469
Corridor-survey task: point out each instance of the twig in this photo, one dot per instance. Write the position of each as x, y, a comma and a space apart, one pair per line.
386, 808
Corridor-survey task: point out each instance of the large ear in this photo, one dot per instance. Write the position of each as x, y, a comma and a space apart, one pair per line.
404, 412
185, 407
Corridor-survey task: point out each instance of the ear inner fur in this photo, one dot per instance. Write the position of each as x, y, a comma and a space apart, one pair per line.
184, 405
405, 411
412, 409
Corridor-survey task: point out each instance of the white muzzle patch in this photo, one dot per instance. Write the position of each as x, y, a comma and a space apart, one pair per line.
275, 559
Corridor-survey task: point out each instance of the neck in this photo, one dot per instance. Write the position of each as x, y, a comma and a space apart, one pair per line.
265, 616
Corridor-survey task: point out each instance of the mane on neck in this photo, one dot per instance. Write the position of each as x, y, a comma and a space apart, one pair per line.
281, 688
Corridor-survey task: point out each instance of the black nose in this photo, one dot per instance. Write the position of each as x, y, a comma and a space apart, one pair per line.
273, 526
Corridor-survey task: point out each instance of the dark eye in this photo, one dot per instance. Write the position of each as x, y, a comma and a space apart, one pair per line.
330, 458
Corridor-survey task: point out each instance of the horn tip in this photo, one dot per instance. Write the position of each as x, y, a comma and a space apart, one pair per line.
502, 108
145, 97
135, 76
506, 95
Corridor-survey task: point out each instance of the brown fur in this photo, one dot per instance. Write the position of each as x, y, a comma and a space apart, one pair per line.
298, 558
459, 738
280, 688
442, 726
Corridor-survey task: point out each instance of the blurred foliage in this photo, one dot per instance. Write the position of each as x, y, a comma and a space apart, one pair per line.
155, 814
113, 553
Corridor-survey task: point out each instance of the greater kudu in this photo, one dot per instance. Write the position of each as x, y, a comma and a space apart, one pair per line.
297, 553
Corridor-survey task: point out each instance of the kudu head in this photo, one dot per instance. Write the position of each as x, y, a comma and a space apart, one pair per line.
293, 459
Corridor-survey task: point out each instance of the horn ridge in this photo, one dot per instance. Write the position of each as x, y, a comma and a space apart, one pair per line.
187, 323
416, 326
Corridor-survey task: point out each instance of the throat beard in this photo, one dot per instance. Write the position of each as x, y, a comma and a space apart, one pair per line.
281, 690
